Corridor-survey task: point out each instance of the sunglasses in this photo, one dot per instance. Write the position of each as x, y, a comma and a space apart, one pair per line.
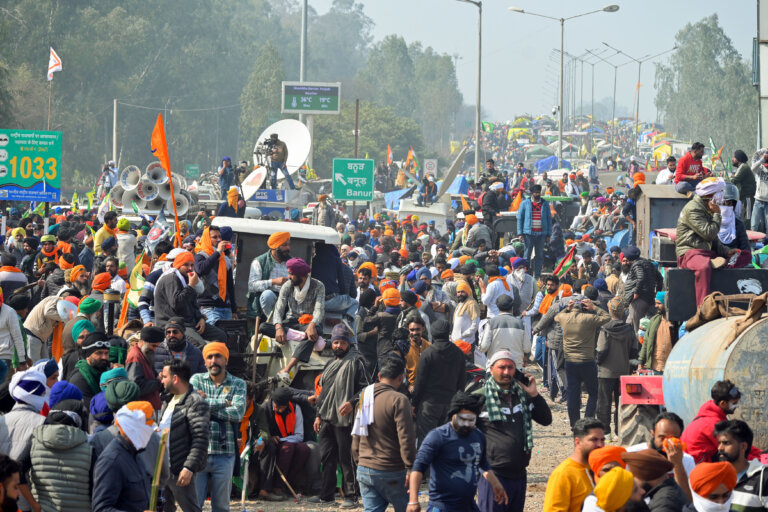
98, 344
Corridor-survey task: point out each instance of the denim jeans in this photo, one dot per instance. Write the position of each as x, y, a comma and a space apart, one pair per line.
760, 215
267, 301
273, 175
342, 303
540, 356
537, 242
216, 477
213, 315
575, 374
380, 488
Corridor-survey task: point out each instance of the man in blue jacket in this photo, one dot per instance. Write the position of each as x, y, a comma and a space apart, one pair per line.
534, 222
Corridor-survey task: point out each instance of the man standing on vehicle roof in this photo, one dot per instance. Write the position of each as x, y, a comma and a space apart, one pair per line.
278, 159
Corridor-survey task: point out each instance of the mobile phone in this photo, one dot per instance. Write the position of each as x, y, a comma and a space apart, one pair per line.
521, 377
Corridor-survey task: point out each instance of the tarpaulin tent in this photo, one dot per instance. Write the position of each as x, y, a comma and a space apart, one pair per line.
550, 163
538, 151
392, 199
459, 186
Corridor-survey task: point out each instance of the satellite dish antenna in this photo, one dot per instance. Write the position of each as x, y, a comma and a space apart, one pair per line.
453, 170
296, 136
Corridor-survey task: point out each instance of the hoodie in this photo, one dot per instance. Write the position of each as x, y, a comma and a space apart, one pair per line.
441, 373
698, 435
616, 345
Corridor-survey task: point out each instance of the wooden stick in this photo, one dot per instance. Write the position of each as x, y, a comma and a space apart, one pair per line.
295, 496
158, 470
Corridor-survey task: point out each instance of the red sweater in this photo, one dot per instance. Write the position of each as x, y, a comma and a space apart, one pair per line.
698, 435
687, 166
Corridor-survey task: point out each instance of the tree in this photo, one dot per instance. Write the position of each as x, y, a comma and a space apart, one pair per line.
706, 90
260, 98
388, 77
379, 126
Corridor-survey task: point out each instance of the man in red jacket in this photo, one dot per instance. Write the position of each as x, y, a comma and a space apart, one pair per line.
699, 437
690, 171
140, 365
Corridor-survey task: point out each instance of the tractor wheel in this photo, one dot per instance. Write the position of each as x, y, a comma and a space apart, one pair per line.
636, 423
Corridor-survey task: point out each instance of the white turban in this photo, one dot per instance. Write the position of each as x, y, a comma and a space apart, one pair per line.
709, 186
497, 186
29, 387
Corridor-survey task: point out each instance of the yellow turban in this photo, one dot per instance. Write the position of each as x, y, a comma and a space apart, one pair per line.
216, 347
464, 287
277, 239
614, 489
18, 231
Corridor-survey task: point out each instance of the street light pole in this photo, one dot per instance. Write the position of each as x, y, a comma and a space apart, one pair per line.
479, 5
607, 8
637, 86
303, 46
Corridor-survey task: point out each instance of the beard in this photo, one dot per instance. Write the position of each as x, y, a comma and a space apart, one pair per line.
462, 431
284, 255
214, 369
9, 505
625, 268
176, 345
100, 365
339, 353
724, 457
149, 355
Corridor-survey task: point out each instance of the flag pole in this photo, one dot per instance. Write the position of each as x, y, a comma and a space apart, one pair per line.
175, 215
50, 99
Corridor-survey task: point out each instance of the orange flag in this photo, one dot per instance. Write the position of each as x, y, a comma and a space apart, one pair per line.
159, 148
516, 202
464, 204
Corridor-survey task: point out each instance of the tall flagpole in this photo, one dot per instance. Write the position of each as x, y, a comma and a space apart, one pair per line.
50, 99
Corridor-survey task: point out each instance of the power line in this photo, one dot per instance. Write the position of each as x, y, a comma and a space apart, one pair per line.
180, 109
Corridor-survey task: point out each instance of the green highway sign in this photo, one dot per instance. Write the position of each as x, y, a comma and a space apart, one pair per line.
311, 98
192, 171
352, 179
30, 165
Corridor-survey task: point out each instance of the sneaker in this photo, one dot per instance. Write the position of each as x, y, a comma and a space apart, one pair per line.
718, 262
317, 500
272, 497
349, 503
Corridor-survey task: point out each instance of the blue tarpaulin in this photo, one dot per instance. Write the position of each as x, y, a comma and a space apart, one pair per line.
392, 199
550, 164
459, 186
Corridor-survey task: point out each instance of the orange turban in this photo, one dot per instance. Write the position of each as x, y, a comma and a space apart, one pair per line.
602, 456
447, 274
75, 273
609, 190
375, 232
638, 178
64, 264
707, 476
391, 297
275, 240
463, 259
386, 284
232, 197
183, 258
403, 253
216, 347
370, 266
464, 287
471, 219
389, 232
566, 290
102, 281
464, 346
322, 197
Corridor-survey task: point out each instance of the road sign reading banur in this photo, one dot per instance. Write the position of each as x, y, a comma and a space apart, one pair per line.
352, 179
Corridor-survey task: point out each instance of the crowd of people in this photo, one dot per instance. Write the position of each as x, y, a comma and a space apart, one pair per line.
427, 333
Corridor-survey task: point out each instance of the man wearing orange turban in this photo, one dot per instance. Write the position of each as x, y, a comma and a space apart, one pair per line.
226, 396
176, 294
602, 460
323, 214
268, 273
101, 281
713, 482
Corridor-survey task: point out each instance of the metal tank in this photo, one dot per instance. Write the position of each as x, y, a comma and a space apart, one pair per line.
703, 357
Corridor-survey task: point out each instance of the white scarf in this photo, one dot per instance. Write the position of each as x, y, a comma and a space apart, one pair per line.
364, 416
727, 231
300, 294
134, 425
704, 505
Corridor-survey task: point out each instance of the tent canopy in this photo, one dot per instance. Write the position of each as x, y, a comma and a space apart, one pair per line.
549, 164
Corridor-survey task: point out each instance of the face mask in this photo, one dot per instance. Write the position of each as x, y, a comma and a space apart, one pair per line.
704, 505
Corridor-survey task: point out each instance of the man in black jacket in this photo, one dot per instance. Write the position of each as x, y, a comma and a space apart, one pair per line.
175, 296
187, 416
442, 372
211, 270
639, 287
510, 405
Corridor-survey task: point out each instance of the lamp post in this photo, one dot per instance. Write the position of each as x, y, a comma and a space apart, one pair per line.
613, 111
479, 5
607, 8
637, 87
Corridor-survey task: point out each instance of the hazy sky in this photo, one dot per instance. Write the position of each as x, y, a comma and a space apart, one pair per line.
519, 70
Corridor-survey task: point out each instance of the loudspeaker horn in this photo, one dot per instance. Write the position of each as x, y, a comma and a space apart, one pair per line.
157, 175
147, 189
130, 177
132, 196
116, 195
182, 205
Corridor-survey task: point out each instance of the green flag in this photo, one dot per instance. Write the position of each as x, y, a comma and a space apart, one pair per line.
135, 207
487, 127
